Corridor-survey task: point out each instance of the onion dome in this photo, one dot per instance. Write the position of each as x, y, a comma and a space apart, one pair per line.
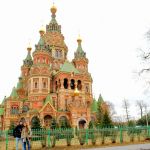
53, 9
79, 40
42, 30
79, 52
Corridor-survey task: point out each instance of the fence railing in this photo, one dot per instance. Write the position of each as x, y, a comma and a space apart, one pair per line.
60, 137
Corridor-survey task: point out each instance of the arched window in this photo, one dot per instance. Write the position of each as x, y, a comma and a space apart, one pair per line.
64, 122
66, 83
56, 86
66, 104
38, 60
87, 89
60, 54
56, 54
44, 85
79, 85
72, 85
25, 108
14, 110
35, 85
35, 123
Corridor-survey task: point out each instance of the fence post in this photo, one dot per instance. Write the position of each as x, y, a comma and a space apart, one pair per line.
48, 138
121, 136
86, 136
6, 136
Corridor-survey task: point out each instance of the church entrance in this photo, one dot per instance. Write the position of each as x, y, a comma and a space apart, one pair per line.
82, 123
48, 120
64, 122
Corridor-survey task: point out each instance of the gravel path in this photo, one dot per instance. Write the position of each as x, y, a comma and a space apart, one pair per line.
129, 147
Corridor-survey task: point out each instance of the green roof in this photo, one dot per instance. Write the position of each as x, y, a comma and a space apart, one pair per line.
48, 99
14, 93
41, 42
28, 56
4, 100
79, 52
19, 84
1, 111
68, 67
94, 106
28, 60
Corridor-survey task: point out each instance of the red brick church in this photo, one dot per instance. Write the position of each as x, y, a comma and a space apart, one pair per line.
51, 86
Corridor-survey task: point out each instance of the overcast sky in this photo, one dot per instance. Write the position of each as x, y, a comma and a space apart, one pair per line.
111, 30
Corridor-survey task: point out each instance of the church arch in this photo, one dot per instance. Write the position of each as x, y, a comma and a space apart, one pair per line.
82, 123
48, 120
64, 122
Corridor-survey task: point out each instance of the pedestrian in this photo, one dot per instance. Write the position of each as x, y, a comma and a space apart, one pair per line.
17, 134
26, 136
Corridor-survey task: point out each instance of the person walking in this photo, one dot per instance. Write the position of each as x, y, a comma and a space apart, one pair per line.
17, 134
26, 135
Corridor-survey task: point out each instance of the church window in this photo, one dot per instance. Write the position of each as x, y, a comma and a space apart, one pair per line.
44, 85
60, 54
35, 85
25, 108
66, 83
72, 84
38, 60
66, 104
79, 85
14, 110
56, 86
56, 54
87, 88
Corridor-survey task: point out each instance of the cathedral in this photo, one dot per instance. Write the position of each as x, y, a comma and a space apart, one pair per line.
50, 86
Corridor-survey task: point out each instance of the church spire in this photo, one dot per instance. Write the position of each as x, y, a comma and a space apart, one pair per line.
53, 25
28, 60
79, 52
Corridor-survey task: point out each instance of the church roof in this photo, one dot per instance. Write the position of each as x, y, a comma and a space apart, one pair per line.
19, 84
14, 93
79, 52
28, 60
1, 111
68, 67
94, 106
4, 100
48, 99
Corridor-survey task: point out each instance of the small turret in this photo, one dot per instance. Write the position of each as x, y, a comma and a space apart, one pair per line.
80, 61
14, 94
53, 25
28, 60
79, 52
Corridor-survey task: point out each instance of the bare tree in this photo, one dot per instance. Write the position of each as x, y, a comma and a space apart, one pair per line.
140, 104
146, 113
111, 108
126, 106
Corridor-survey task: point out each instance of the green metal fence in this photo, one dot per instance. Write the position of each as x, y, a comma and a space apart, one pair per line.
42, 138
